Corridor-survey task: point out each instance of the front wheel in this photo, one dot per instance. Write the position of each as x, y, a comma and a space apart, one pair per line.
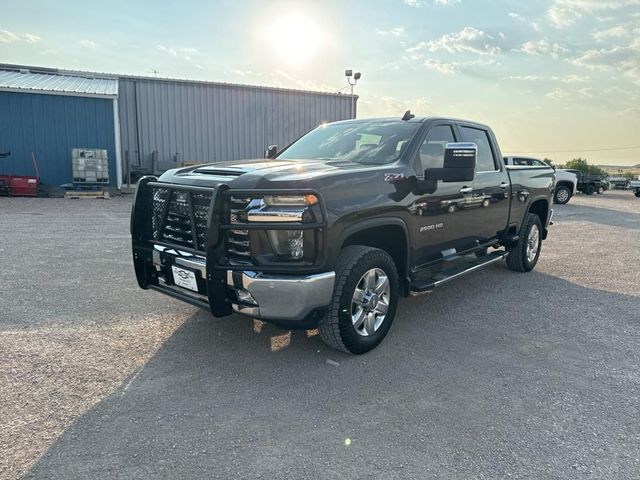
590, 190
365, 298
562, 195
600, 190
524, 255
637, 193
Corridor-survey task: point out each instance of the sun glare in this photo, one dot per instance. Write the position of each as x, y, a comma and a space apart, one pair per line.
294, 38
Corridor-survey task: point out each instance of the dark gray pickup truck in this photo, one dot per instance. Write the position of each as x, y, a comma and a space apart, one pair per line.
332, 230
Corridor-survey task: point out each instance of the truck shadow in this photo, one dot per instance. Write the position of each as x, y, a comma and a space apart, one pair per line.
467, 368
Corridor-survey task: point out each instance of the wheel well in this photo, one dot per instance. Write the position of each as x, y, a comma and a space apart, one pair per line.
569, 185
541, 209
390, 238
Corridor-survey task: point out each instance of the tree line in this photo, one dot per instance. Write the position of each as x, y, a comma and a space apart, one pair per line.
580, 164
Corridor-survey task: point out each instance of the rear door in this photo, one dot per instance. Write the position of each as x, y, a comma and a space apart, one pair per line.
491, 188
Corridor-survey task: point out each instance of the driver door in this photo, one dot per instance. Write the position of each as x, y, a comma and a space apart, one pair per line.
439, 216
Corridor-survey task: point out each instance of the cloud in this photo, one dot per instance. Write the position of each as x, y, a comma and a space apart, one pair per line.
569, 79
442, 67
542, 47
623, 59
575, 79
564, 13
618, 31
170, 51
10, 37
185, 53
394, 32
563, 94
246, 73
87, 43
469, 40
517, 16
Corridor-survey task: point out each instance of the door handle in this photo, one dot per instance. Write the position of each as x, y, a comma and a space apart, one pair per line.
504, 185
466, 190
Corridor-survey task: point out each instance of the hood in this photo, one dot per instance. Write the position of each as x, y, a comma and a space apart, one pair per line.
263, 174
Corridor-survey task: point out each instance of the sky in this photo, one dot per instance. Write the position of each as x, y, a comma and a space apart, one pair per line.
554, 78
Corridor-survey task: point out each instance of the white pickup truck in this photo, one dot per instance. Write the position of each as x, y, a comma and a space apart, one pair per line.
566, 182
635, 186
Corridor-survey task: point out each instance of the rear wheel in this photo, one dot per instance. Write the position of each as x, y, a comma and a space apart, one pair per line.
590, 190
637, 193
524, 255
562, 195
364, 303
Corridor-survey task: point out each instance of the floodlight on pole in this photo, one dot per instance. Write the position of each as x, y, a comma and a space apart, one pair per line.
355, 76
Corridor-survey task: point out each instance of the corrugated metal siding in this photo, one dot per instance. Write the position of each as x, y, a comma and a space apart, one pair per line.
216, 122
60, 84
50, 126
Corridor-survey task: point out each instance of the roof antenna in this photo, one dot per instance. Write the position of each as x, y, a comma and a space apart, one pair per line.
408, 115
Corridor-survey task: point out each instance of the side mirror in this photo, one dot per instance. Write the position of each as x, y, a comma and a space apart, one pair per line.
271, 151
459, 163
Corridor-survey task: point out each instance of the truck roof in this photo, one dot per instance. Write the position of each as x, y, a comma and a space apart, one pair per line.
413, 120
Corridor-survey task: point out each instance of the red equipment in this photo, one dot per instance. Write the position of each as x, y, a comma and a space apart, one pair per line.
20, 185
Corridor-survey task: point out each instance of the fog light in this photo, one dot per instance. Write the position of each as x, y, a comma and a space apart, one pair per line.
287, 243
245, 297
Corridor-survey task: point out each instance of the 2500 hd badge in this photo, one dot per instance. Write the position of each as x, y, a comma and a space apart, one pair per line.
326, 232
435, 226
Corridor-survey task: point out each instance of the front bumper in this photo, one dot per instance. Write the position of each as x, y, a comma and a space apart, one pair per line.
271, 297
279, 297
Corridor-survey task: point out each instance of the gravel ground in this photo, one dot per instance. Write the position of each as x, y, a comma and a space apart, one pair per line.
495, 375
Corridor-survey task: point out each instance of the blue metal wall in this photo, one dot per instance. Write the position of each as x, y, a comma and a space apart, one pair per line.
50, 126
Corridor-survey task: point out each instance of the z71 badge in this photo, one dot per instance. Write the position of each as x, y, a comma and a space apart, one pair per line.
393, 177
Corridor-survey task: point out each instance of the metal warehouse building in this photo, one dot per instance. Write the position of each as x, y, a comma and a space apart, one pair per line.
147, 123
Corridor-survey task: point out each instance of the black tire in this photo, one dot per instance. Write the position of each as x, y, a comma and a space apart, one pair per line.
637, 193
600, 190
562, 195
518, 260
590, 190
336, 327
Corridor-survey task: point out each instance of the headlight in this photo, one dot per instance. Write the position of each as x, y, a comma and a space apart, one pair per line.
290, 200
281, 208
287, 243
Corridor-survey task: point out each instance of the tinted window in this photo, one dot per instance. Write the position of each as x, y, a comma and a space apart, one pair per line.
368, 142
485, 161
532, 162
431, 154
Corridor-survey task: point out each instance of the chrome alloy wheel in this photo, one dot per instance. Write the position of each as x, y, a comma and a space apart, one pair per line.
563, 195
533, 243
370, 302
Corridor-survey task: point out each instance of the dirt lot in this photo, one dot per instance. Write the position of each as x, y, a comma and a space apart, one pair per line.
497, 374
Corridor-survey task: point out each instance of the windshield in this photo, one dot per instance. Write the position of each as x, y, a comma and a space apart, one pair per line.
368, 142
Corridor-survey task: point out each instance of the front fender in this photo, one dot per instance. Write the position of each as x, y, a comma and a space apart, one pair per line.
370, 223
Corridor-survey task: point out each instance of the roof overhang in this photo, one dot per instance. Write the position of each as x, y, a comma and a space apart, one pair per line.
53, 84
